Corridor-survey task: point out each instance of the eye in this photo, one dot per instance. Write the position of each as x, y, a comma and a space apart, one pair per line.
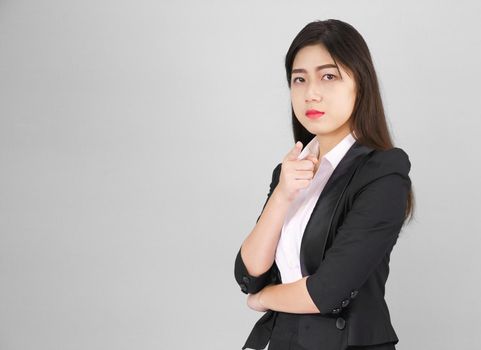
330, 75
294, 80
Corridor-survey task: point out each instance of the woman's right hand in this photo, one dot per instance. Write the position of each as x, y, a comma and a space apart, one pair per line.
296, 174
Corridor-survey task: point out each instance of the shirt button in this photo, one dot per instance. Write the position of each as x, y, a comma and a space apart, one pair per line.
345, 303
340, 323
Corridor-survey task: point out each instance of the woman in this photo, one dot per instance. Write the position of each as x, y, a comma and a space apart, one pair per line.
317, 259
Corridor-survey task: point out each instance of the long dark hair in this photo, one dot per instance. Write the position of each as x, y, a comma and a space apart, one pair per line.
348, 48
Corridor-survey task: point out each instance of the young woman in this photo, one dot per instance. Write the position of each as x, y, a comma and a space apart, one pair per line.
317, 260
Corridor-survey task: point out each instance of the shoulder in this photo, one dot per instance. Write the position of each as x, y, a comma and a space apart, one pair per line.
380, 163
392, 160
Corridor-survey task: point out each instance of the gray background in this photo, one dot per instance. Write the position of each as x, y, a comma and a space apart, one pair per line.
137, 141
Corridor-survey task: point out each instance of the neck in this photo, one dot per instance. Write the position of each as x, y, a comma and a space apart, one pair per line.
329, 141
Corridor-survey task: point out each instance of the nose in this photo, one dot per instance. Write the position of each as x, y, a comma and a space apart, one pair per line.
312, 93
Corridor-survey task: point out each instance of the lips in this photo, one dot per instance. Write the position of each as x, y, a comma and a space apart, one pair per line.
314, 113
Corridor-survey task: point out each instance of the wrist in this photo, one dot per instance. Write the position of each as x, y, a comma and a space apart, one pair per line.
279, 197
261, 298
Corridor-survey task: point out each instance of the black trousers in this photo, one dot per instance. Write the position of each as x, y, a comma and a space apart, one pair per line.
284, 335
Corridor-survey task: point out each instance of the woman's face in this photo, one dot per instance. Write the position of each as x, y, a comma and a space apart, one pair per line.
321, 89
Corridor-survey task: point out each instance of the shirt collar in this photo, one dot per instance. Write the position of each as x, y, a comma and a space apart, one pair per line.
335, 155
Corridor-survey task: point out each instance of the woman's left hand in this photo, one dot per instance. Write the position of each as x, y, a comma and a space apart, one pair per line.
254, 303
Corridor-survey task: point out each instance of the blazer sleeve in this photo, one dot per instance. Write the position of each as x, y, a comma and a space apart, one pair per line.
252, 284
368, 232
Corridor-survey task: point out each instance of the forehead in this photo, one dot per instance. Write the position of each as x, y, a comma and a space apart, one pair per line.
313, 53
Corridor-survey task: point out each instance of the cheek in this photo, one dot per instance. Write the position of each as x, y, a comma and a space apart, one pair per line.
296, 99
345, 99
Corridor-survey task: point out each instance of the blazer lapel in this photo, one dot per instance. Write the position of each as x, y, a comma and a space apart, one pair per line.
316, 232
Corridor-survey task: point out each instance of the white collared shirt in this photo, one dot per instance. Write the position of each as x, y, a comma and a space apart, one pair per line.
299, 212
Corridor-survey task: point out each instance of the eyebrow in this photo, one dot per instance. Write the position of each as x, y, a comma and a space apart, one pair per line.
318, 68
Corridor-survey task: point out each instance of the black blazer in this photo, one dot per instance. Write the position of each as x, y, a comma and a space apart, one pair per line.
345, 251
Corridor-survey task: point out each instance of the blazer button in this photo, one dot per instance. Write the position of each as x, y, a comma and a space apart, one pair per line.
340, 323
354, 294
345, 303
243, 288
246, 279
336, 311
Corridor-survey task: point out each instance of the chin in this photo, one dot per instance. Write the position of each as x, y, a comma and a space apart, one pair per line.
320, 130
